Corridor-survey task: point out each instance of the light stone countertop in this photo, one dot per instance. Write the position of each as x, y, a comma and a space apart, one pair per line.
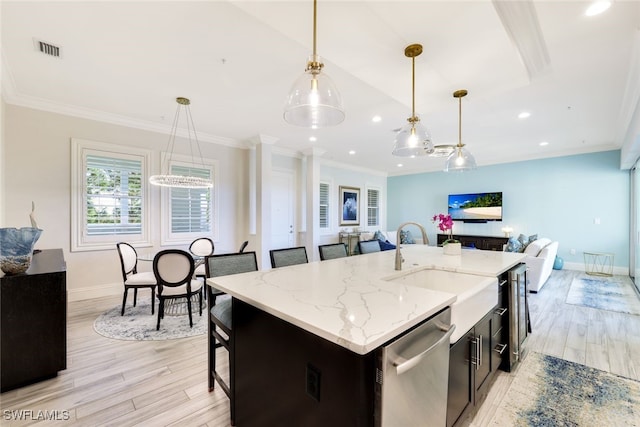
348, 301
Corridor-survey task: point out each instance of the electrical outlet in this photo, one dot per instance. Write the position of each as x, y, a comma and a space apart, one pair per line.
313, 382
572, 251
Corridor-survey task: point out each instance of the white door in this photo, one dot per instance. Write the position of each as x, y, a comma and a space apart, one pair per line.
282, 196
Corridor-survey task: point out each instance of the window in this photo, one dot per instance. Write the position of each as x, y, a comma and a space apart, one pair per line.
324, 205
188, 213
373, 207
109, 200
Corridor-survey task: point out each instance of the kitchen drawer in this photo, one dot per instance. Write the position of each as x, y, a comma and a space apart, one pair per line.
499, 348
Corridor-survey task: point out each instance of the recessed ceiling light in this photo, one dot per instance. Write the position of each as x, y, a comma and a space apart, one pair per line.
524, 115
313, 139
597, 8
352, 152
400, 165
376, 119
543, 143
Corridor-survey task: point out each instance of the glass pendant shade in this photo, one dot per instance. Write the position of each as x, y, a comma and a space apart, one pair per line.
460, 160
413, 140
314, 101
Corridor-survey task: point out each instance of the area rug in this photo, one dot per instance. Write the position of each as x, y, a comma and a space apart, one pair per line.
548, 391
614, 293
138, 324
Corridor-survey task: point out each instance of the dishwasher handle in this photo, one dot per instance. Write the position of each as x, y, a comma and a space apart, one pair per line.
402, 365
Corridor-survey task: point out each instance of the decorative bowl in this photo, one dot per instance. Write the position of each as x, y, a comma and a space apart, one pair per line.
16, 248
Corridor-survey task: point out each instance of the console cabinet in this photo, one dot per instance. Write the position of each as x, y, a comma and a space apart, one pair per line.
33, 321
487, 243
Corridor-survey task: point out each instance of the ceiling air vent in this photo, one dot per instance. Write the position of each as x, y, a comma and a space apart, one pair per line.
48, 48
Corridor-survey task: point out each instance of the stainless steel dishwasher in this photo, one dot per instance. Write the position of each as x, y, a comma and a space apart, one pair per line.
413, 375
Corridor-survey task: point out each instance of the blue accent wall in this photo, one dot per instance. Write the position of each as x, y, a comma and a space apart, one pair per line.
559, 198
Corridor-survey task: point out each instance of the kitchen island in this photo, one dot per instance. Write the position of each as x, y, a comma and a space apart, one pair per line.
323, 321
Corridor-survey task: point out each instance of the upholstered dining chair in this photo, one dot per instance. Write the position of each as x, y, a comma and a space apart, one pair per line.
332, 251
243, 246
201, 247
288, 256
173, 269
130, 276
369, 246
220, 316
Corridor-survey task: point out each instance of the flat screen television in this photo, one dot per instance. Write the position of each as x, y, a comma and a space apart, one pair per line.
476, 207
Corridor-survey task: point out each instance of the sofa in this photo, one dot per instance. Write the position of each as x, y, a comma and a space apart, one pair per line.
541, 254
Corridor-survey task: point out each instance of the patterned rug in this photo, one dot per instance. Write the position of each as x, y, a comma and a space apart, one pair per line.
614, 293
138, 324
547, 391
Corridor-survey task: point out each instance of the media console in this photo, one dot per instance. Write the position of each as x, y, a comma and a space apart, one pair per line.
487, 243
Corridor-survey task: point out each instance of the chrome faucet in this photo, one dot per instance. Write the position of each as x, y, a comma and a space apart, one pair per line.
425, 240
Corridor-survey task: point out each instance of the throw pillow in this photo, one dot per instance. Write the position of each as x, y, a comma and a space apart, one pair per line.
406, 237
379, 236
513, 245
533, 238
385, 245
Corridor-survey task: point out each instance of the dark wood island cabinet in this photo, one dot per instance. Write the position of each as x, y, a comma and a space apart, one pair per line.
33, 321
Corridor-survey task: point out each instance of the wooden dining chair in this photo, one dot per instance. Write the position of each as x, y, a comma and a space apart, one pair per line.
220, 316
288, 256
131, 279
332, 251
173, 269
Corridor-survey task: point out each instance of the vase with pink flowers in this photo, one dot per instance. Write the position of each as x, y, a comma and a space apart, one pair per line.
445, 224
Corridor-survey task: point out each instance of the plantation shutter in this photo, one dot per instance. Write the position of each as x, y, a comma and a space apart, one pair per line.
113, 194
373, 207
324, 205
191, 207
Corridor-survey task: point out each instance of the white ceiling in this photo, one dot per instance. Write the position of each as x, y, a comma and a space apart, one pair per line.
126, 62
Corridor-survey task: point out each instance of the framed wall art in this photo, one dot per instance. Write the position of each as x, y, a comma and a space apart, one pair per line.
349, 206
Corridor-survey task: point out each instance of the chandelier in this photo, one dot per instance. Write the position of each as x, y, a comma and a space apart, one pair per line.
166, 179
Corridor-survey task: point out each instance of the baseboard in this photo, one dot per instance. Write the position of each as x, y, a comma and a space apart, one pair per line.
110, 289
579, 266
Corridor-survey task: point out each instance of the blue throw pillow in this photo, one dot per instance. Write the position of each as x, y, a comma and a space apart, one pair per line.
513, 245
385, 245
378, 235
406, 237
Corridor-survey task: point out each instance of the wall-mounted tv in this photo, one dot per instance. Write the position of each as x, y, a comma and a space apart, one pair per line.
476, 207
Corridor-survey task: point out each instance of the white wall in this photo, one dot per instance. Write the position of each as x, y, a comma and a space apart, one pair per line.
37, 153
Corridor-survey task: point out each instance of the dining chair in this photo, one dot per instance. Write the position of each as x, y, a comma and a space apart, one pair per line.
220, 316
243, 246
201, 247
332, 251
288, 256
130, 276
173, 269
369, 246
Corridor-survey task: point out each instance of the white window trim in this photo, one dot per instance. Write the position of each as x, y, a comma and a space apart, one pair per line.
329, 228
167, 238
79, 241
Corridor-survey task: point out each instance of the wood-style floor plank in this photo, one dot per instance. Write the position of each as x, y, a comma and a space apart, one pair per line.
164, 383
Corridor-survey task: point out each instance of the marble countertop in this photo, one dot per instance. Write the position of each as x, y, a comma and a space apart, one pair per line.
348, 301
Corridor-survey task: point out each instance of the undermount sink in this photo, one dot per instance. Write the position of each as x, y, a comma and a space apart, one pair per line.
476, 295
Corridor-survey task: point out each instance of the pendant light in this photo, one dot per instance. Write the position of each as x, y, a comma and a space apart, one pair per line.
314, 100
166, 179
461, 159
413, 139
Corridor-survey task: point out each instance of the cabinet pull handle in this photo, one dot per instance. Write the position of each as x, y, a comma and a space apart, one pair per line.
501, 284
476, 360
480, 351
500, 348
500, 311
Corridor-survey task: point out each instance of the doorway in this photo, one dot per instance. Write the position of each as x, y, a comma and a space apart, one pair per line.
282, 210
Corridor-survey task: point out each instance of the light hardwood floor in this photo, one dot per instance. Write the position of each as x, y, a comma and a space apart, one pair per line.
162, 383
